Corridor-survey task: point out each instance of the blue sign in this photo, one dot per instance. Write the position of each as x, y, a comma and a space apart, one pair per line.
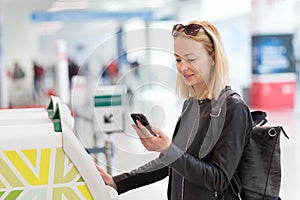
272, 54
88, 15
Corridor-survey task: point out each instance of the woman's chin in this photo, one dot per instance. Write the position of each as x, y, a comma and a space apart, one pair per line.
188, 83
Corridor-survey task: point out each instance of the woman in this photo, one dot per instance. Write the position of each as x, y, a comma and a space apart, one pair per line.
202, 158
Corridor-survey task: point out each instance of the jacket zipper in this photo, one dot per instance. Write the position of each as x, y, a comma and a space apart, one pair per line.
186, 148
239, 196
182, 182
182, 188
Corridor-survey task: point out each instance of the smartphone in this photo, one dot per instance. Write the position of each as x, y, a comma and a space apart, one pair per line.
143, 119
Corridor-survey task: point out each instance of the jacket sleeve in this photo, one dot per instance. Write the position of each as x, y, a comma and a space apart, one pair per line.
149, 173
216, 174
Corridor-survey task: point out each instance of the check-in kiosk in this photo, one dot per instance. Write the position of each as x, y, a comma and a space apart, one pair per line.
41, 158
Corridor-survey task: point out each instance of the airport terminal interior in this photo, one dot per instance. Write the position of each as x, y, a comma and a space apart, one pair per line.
91, 63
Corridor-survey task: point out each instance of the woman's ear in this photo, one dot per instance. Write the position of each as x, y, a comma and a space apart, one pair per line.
212, 59
213, 55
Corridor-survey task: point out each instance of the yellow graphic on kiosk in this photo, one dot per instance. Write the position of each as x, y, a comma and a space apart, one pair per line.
40, 174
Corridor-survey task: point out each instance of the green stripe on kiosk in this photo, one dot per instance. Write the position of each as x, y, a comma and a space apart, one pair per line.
57, 120
50, 108
107, 100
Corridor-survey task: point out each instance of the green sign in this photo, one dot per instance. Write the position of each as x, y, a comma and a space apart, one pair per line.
107, 100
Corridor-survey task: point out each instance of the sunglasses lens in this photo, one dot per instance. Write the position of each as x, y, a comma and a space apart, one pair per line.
176, 28
179, 26
192, 29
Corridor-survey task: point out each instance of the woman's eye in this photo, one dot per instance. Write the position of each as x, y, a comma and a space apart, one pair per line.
191, 60
178, 60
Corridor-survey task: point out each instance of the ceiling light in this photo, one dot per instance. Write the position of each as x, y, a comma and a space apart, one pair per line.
68, 5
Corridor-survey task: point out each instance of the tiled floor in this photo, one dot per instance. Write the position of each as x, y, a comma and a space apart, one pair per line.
129, 154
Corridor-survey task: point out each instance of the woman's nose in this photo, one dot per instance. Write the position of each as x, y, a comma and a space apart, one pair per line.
184, 65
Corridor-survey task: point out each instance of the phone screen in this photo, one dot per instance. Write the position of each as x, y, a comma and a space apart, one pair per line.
143, 119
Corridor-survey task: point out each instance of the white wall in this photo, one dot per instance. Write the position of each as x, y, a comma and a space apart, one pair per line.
3, 93
20, 34
20, 43
236, 38
216, 10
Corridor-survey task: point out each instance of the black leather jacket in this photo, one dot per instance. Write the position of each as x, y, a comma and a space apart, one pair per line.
204, 178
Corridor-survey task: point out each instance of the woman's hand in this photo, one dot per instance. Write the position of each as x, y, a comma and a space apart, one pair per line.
106, 177
159, 143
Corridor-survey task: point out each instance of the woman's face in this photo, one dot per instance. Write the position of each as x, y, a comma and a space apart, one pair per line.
192, 61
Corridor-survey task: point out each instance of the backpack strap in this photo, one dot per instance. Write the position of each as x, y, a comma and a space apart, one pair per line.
218, 115
259, 118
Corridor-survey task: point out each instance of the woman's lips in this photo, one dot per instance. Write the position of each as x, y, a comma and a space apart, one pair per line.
188, 76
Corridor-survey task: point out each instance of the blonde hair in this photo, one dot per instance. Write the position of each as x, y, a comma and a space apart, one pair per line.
219, 74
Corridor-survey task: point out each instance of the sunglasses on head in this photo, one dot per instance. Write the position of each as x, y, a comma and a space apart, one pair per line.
191, 29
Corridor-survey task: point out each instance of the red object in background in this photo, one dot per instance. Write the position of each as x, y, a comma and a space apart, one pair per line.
51, 92
21, 107
8, 74
112, 69
273, 95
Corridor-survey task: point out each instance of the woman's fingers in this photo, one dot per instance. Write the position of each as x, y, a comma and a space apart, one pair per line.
150, 142
99, 169
107, 178
141, 130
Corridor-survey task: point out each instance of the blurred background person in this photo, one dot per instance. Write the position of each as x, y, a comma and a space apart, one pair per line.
73, 70
18, 72
19, 93
38, 75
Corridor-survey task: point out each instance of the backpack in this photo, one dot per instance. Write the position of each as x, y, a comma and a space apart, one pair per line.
260, 167
259, 170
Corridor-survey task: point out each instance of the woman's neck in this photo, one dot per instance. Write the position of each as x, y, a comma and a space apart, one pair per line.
201, 92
